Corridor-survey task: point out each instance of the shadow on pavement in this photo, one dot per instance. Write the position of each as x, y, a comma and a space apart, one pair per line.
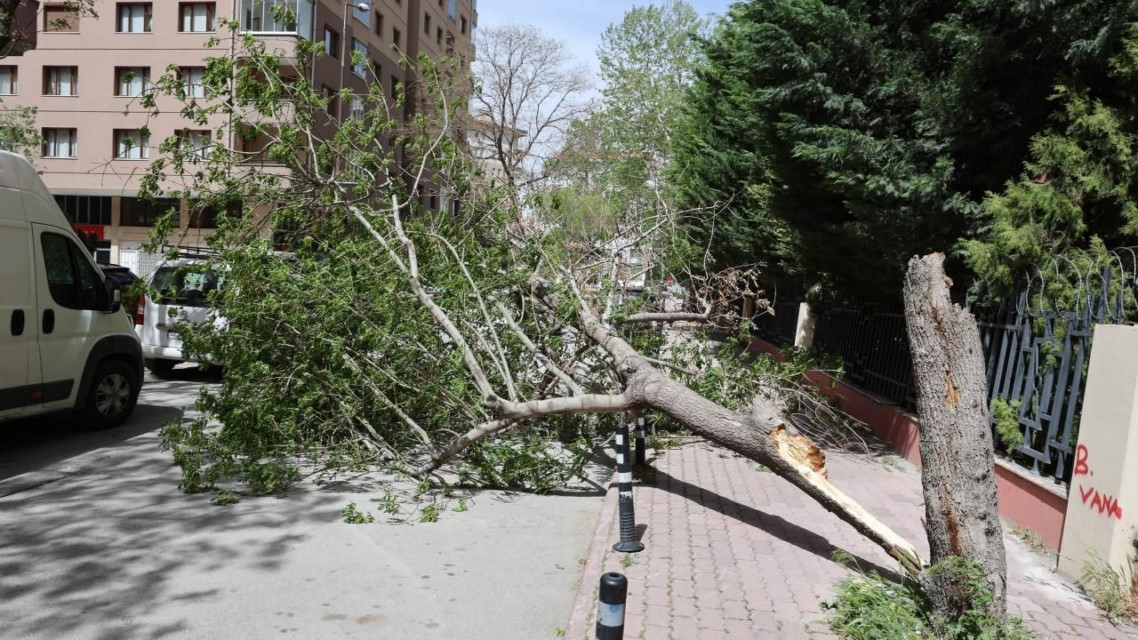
114, 546
773, 525
31, 444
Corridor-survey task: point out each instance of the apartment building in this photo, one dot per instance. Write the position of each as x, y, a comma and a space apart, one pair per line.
86, 74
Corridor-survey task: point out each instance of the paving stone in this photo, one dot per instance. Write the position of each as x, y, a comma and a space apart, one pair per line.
734, 553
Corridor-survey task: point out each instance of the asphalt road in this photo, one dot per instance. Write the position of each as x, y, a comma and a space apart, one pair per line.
97, 542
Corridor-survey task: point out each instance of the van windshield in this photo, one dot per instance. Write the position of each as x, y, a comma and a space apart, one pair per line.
183, 287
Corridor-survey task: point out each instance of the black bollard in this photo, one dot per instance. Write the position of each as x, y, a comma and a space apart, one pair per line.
641, 433
610, 611
628, 542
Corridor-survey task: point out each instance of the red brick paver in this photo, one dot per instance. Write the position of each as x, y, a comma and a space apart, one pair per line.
735, 552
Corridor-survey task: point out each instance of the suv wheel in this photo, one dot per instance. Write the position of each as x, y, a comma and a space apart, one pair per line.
113, 395
160, 367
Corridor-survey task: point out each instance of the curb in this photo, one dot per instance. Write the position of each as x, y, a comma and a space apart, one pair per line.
584, 602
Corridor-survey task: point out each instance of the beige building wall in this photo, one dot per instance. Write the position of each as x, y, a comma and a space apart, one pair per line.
94, 47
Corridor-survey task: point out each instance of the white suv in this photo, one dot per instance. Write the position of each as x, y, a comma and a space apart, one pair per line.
178, 292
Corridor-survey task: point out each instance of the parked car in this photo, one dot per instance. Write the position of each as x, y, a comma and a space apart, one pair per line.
178, 293
121, 276
64, 341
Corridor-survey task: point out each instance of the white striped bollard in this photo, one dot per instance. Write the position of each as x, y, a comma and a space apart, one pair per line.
641, 434
610, 611
628, 542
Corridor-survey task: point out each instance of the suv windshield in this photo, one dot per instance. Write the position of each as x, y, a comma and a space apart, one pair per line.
183, 286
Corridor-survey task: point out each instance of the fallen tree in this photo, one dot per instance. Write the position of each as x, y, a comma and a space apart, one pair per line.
392, 332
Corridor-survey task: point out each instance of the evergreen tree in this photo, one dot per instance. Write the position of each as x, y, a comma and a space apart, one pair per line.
848, 136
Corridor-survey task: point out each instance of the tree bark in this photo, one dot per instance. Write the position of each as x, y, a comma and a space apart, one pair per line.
762, 436
961, 515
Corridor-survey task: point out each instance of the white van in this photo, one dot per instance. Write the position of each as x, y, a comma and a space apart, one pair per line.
64, 341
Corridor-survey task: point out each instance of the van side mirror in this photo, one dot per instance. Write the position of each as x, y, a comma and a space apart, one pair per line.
113, 297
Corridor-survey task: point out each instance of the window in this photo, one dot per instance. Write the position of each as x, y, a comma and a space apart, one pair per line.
452, 8
396, 38
136, 212
195, 142
359, 57
59, 18
8, 84
427, 23
395, 86
61, 81
70, 277
197, 17
193, 81
462, 25
130, 82
357, 109
60, 143
331, 96
439, 36
261, 15
130, 144
134, 17
86, 209
363, 15
204, 215
379, 24
331, 43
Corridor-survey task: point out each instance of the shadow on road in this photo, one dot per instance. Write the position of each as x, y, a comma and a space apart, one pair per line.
34, 443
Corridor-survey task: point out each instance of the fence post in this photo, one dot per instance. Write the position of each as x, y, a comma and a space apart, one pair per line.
610, 611
804, 328
628, 542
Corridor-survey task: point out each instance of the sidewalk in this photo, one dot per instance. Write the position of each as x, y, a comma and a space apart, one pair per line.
735, 552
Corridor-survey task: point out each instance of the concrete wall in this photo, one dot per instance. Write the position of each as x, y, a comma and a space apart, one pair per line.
1102, 514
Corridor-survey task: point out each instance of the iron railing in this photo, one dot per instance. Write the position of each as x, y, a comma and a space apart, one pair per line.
778, 323
1036, 350
872, 345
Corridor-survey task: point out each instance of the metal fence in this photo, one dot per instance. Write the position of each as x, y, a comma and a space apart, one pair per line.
778, 324
1037, 350
872, 345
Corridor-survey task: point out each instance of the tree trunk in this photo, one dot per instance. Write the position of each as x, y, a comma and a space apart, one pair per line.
765, 437
762, 436
962, 518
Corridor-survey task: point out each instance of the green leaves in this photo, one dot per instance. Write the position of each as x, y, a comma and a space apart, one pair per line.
846, 137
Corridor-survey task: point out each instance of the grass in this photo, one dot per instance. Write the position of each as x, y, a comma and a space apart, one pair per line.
1030, 538
869, 607
1114, 591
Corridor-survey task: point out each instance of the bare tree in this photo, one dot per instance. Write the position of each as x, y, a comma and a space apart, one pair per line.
528, 90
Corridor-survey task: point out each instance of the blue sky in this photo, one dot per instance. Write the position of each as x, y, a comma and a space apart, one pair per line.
578, 23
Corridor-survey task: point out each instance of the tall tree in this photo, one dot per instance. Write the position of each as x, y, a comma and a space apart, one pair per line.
647, 63
1076, 195
528, 89
848, 135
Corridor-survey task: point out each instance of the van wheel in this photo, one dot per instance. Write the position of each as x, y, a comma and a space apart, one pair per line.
160, 367
113, 395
